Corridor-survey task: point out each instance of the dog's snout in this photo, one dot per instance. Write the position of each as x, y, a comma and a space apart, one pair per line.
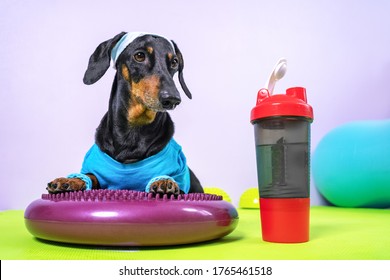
169, 101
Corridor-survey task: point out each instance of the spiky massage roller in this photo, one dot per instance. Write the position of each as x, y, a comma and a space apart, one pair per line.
129, 218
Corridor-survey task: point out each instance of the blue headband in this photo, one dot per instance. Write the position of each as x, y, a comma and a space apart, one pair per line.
127, 39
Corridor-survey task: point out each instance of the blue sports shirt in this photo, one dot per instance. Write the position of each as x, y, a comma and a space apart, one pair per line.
114, 175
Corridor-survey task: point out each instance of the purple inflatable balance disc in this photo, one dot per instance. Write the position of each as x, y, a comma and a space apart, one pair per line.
129, 218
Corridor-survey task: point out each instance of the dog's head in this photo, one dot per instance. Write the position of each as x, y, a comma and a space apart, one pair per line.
147, 64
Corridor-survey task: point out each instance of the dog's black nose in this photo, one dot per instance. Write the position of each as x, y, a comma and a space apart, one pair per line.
169, 101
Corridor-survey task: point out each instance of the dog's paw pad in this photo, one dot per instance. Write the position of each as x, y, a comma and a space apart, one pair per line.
164, 186
65, 185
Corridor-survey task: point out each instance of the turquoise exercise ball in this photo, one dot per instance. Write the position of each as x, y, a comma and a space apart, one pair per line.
351, 165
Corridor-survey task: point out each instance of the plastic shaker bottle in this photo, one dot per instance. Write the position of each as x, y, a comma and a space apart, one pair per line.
282, 137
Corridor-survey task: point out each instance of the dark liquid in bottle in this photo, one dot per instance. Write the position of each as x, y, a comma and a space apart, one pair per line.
283, 170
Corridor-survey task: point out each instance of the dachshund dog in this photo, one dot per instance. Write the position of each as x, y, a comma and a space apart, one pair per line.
134, 146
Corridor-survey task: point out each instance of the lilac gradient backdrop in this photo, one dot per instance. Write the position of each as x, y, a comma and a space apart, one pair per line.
338, 50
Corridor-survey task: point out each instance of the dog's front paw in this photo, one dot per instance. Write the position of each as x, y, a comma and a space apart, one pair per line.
164, 186
66, 185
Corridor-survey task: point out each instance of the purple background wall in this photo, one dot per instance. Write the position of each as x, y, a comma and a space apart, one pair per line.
338, 50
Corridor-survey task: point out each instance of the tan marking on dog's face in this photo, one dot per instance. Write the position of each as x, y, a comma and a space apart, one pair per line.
126, 73
149, 50
170, 56
144, 101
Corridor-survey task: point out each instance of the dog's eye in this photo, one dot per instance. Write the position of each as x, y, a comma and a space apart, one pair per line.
139, 57
174, 63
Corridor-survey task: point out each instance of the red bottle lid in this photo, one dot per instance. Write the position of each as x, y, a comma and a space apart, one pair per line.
293, 103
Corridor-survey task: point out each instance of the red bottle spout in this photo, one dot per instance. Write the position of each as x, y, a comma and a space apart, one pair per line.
297, 92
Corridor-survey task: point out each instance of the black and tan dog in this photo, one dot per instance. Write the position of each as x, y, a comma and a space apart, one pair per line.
137, 130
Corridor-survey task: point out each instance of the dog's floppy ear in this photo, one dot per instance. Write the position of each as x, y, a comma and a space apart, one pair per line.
181, 66
100, 60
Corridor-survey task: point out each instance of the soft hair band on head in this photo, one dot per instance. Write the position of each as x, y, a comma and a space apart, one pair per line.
127, 39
